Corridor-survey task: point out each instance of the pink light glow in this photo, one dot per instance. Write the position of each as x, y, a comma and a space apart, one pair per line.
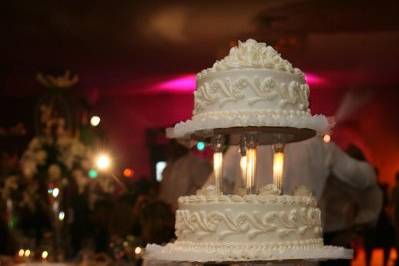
186, 83
313, 79
183, 83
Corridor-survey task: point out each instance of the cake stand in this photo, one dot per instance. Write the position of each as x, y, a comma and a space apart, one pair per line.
247, 138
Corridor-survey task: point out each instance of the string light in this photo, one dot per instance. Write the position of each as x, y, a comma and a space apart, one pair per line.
61, 216
56, 192
44, 254
21, 252
95, 120
27, 253
103, 161
327, 138
138, 250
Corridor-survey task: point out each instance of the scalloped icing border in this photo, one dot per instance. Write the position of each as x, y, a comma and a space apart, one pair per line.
228, 119
228, 252
259, 199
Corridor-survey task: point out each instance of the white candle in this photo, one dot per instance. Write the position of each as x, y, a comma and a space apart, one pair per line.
218, 169
250, 170
278, 167
243, 166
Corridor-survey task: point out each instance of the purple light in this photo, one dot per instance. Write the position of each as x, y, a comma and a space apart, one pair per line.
313, 79
183, 83
187, 83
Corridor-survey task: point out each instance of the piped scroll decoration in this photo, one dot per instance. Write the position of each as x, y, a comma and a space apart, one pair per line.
221, 224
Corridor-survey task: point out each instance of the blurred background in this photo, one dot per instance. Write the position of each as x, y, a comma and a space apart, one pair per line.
87, 89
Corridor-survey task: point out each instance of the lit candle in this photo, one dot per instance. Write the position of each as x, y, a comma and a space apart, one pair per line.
243, 166
218, 141
251, 164
218, 169
243, 159
278, 165
250, 168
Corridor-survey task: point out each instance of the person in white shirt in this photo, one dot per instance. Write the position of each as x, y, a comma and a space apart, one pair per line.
311, 163
183, 175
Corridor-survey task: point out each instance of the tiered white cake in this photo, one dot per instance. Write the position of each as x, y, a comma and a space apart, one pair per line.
263, 227
252, 86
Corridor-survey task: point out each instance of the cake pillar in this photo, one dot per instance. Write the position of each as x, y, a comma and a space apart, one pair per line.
278, 165
217, 144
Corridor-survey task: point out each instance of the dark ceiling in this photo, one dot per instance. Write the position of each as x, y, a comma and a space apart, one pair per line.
115, 44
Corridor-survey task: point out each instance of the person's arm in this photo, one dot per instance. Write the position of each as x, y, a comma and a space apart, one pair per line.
358, 174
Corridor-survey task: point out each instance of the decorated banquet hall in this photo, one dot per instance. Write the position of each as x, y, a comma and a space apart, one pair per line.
199, 133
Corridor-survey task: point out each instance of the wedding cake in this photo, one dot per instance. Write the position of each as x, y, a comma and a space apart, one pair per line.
251, 87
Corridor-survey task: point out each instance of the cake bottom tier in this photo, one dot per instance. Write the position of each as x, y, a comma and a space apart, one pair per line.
187, 251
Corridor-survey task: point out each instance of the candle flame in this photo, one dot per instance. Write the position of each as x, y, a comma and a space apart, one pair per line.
278, 167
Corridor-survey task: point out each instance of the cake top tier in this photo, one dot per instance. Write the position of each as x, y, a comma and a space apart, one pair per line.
252, 54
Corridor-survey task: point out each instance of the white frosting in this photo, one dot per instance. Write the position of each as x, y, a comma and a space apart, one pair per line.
265, 218
252, 54
257, 118
252, 86
267, 226
234, 252
255, 89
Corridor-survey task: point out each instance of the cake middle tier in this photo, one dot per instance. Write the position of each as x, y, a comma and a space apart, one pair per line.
252, 218
251, 90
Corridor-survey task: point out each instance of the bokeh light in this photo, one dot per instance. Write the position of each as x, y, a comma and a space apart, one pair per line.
327, 138
95, 120
128, 172
56, 192
103, 161
61, 216
137, 250
27, 253
201, 145
44, 254
93, 173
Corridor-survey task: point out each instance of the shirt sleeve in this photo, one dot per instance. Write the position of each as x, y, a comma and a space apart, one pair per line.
358, 174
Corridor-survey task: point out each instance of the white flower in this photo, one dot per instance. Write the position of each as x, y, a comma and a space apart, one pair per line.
86, 164
106, 184
10, 183
64, 141
35, 144
80, 179
54, 172
40, 157
208, 191
68, 160
302, 191
78, 148
270, 189
28, 168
